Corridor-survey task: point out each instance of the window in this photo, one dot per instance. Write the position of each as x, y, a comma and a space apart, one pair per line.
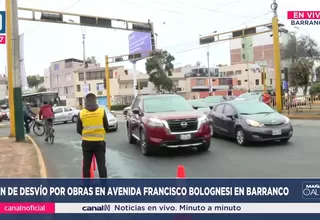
219, 108
67, 109
270, 81
257, 82
238, 72
100, 86
228, 110
166, 104
57, 79
56, 66
89, 87
243, 56
230, 73
80, 77
239, 82
68, 76
144, 84
78, 88
255, 108
223, 81
57, 110
68, 65
66, 90
200, 82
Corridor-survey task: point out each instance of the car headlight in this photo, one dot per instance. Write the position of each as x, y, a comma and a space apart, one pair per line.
253, 123
203, 119
112, 120
287, 120
154, 122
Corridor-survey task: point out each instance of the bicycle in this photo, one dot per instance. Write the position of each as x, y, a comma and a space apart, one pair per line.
51, 133
36, 126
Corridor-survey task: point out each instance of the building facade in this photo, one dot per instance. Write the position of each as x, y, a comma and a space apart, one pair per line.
3, 87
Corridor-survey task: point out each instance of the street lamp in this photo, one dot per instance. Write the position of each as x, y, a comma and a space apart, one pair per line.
208, 60
83, 31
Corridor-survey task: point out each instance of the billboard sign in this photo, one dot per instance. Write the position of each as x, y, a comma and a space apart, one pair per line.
140, 42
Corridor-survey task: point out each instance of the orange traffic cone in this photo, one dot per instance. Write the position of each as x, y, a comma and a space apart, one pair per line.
181, 173
92, 167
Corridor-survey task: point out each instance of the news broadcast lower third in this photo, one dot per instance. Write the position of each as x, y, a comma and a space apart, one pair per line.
210, 112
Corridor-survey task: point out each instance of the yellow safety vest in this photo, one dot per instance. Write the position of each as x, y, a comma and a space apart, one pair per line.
92, 123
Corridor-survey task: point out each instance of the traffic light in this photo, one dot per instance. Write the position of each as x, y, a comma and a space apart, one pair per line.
51, 17
137, 87
104, 83
206, 40
142, 27
156, 53
118, 59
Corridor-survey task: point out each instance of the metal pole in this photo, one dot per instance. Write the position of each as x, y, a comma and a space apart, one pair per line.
248, 70
107, 75
134, 75
264, 80
17, 91
276, 55
209, 76
84, 61
10, 67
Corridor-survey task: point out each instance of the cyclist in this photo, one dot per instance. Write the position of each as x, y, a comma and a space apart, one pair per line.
92, 126
46, 114
28, 116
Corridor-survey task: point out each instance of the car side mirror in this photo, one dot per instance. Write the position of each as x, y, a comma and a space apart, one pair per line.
195, 107
136, 111
230, 116
211, 107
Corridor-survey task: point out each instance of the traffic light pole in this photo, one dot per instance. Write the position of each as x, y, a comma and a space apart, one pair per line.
10, 67
86, 90
17, 91
107, 75
134, 75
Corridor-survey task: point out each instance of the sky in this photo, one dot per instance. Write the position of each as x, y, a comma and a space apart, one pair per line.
178, 24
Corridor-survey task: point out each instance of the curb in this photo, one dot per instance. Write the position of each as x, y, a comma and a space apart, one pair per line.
307, 117
43, 170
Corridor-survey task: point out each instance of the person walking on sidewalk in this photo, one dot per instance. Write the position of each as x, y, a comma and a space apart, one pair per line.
92, 126
46, 113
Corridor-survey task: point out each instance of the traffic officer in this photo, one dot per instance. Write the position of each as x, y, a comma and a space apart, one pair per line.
92, 126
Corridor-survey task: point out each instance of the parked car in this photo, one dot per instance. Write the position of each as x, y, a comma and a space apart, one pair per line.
214, 100
166, 121
249, 96
65, 114
200, 105
4, 114
112, 121
250, 121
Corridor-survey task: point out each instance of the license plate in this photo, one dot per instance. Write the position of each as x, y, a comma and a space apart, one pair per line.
276, 132
185, 137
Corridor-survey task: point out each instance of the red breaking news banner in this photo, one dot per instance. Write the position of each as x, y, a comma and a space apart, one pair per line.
303, 15
2, 39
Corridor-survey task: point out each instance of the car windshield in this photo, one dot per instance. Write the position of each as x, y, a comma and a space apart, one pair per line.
252, 108
213, 99
198, 103
166, 104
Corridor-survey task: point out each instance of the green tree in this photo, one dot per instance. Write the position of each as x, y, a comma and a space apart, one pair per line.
301, 52
34, 80
159, 67
315, 89
42, 89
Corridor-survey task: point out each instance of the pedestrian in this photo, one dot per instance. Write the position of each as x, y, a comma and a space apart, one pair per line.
28, 116
92, 126
46, 113
266, 98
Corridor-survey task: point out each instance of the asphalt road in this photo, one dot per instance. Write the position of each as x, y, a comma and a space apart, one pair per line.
298, 158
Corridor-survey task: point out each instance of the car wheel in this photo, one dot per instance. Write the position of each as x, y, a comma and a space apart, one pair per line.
131, 139
240, 137
116, 128
145, 148
284, 140
74, 119
204, 147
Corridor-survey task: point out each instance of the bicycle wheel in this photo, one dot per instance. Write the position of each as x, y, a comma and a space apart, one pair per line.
51, 138
38, 129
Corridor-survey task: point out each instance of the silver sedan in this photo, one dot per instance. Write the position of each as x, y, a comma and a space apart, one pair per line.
65, 114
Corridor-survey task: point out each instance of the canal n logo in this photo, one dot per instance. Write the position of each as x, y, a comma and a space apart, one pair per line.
2, 22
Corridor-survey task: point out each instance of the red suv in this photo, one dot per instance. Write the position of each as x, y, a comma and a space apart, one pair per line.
166, 121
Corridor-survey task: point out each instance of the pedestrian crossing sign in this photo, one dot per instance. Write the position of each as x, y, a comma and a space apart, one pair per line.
2, 22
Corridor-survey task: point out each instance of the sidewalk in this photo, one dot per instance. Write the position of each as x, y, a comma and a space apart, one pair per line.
20, 159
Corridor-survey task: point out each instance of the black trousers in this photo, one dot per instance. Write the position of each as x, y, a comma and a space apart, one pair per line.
27, 121
97, 148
